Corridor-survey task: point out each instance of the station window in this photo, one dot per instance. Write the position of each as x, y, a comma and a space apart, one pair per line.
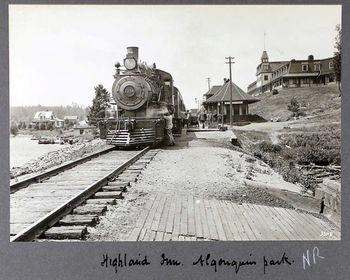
317, 67
266, 77
305, 67
331, 65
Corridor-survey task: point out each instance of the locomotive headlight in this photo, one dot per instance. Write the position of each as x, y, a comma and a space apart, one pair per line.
130, 63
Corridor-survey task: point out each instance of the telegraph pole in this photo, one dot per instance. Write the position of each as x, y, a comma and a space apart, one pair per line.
208, 79
229, 63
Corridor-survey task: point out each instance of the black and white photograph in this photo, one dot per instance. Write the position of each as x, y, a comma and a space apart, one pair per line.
175, 122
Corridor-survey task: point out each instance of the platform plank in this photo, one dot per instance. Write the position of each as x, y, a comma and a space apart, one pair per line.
204, 220
191, 216
171, 216
211, 224
217, 220
198, 219
184, 218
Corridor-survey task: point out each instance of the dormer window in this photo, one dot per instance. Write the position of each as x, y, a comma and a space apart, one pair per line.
304, 67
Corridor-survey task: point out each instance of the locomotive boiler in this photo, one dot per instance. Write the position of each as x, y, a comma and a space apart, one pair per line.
142, 95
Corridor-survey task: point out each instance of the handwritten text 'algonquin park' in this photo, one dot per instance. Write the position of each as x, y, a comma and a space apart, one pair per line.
123, 261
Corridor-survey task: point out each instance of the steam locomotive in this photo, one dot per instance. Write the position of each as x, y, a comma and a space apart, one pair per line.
142, 94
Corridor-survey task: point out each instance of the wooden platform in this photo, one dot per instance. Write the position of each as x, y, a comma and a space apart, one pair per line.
180, 218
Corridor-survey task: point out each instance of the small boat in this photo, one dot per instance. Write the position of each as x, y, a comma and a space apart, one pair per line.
44, 140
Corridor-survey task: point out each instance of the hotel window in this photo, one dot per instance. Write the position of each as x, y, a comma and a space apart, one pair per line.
266, 78
304, 67
331, 65
317, 67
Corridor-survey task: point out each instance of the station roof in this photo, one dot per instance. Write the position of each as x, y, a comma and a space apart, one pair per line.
223, 94
212, 91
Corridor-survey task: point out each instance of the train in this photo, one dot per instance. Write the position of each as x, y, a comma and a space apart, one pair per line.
142, 95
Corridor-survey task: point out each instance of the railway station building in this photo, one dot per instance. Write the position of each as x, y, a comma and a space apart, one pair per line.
293, 73
218, 103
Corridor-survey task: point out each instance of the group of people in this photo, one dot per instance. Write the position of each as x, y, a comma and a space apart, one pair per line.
207, 119
204, 120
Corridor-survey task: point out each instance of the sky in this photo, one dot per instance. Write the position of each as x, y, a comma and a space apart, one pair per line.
59, 53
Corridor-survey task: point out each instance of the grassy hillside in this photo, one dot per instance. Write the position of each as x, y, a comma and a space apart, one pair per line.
313, 101
289, 144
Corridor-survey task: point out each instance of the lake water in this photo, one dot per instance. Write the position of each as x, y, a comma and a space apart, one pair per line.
22, 149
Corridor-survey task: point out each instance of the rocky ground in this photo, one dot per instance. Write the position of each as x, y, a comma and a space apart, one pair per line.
204, 165
54, 158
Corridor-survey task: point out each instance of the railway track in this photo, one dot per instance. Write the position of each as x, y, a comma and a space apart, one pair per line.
62, 203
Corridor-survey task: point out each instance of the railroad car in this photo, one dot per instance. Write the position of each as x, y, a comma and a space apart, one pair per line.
142, 94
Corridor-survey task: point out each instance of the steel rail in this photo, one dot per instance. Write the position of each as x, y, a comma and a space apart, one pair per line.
55, 215
54, 171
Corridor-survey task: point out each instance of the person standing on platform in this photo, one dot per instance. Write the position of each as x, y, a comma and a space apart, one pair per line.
168, 128
203, 119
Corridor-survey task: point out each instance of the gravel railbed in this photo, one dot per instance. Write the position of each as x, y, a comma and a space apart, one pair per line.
55, 158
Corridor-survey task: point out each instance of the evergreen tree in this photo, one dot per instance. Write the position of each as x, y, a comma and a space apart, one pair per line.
337, 55
99, 105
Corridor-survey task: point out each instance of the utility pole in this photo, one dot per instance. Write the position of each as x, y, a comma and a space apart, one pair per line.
208, 79
229, 63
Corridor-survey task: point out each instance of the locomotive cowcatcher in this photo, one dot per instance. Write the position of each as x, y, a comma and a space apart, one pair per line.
142, 95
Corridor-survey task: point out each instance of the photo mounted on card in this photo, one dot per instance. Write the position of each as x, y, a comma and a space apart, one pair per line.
175, 123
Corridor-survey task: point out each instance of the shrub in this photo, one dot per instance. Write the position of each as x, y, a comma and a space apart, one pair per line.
269, 147
294, 107
320, 148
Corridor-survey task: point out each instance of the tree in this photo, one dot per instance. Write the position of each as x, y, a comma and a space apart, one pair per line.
99, 105
14, 129
337, 55
294, 107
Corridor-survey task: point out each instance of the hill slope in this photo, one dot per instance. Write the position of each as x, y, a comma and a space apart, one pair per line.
313, 101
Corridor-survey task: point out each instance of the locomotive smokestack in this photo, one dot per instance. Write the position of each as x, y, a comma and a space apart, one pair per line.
133, 52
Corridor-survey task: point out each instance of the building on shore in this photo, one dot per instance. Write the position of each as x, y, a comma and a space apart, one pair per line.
70, 120
219, 103
44, 120
292, 73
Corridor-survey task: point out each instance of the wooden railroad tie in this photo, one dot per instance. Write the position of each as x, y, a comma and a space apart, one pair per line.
118, 184
109, 194
79, 220
114, 188
90, 209
66, 232
103, 201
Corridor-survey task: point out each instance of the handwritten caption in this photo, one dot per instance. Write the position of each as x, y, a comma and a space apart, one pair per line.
216, 264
